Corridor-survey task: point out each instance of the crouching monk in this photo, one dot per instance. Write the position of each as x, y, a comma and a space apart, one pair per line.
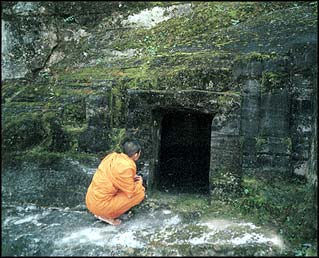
115, 187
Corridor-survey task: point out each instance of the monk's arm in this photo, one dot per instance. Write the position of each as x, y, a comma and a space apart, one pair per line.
127, 184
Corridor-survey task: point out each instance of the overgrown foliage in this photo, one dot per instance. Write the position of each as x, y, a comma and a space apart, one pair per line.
288, 206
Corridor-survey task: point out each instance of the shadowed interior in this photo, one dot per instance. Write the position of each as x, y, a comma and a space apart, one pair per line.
184, 152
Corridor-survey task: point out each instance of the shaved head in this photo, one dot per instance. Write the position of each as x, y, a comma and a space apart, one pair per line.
131, 147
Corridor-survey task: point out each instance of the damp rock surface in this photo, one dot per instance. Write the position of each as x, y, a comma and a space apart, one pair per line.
30, 230
165, 224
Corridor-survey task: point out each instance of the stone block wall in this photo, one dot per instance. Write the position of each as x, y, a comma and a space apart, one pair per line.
226, 155
275, 113
81, 77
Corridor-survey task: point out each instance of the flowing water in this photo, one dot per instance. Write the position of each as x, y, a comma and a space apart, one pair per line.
37, 221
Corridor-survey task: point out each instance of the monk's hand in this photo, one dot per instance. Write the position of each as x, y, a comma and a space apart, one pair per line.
138, 178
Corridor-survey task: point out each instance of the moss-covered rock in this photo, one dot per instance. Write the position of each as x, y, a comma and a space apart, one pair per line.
82, 76
23, 131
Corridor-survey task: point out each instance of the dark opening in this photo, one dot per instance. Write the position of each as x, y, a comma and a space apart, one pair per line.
184, 152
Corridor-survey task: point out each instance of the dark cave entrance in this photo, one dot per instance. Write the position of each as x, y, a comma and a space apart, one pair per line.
184, 152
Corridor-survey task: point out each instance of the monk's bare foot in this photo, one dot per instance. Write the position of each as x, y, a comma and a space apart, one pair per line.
114, 222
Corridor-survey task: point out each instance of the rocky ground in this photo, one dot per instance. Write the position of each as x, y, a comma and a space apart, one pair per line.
44, 214
158, 227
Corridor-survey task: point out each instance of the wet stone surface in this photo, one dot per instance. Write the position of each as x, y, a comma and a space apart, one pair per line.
51, 231
44, 214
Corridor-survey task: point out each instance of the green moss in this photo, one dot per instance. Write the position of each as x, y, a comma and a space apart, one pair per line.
57, 138
184, 203
197, 28
74, 134
135, 75
273, 81
41, 156
117, 106
286, 204
87, 73
23, 131
167, 49
177, 70
224, 184
73, 114
26, 93
260, 141
75, 130
288, 143
117, 136
255, 56
152, 69
228, 98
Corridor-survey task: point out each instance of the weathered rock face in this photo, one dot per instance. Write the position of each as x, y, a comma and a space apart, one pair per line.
27, 41
101, 72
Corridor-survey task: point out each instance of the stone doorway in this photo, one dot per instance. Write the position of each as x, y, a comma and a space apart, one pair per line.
190, 139
184, 152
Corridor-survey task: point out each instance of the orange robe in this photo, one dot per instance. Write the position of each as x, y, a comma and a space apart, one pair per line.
113, 191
